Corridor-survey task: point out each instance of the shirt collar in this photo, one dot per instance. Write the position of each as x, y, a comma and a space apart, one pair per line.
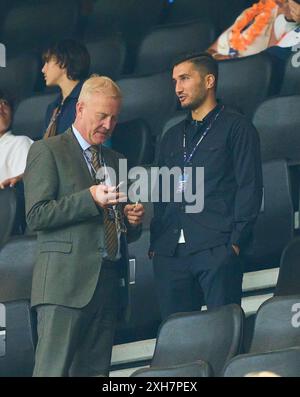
73, 94
209, 115
6, 134
82, 142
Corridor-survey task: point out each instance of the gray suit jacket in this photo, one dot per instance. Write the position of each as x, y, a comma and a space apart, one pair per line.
69, 225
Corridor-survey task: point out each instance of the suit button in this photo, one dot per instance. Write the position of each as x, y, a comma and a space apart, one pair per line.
175, 231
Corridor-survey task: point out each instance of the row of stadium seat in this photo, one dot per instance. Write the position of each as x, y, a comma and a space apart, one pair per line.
90, 19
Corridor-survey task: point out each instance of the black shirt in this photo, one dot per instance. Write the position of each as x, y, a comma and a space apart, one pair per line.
230, 155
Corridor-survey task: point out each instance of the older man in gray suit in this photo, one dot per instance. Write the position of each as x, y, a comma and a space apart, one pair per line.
82, 230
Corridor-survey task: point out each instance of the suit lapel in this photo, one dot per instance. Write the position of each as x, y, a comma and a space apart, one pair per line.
80, 170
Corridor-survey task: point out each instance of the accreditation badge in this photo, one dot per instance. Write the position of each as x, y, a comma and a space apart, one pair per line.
182, 182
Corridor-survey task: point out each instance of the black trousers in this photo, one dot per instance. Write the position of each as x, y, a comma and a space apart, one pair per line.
185, 282
78, 342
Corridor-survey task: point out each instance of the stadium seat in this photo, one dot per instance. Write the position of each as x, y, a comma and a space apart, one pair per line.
221, 12
30, 115
107, 56
133, 139
277, 325
284, 363
161, 45
213, 336
49, 21
17, 357
274, 227
19, 76
279, 135
289, 271
17, 259
118, 15
245, 82
8, 208
291, 78
198, 369
150, 98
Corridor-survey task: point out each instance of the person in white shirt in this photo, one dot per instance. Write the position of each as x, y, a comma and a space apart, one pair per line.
13, 149
268, 23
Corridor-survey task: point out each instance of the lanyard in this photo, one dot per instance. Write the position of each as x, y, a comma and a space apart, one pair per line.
186, 158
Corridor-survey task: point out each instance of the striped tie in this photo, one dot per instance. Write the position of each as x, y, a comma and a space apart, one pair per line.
110, 231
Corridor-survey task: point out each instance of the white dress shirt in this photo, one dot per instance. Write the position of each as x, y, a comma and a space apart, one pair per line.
13, 154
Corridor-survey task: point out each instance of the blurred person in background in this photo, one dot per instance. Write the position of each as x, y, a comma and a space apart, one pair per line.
267, 24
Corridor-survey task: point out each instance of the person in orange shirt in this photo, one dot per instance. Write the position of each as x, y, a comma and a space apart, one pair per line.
267, 23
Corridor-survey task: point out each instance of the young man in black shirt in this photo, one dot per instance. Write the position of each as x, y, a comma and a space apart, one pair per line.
203, 249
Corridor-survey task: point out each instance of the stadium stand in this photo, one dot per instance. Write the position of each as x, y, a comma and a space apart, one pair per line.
198, 369
133, 139
8, 207
288, 277
291, 76
19, 344
274, 228
150, 98
219, 12
279, 137
284, 363
214, 336
245, 82
273, 329
48, 21
149, 102
29, 117
163, 43
117, 15
20, 75
107, 56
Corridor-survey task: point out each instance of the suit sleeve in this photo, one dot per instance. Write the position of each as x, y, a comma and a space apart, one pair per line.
245, 148
41, 183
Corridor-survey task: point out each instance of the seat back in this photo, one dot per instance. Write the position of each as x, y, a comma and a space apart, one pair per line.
213, 336
150, 98
8, 208
124, 16
20, 75
107, 56
198, 369
160, 46
279, 135
291, 77
17, 260
276, 324
289, 271
222, 13
245, 82
285, 363
133, 139
29, 118
274, 227
49, 21
17, 350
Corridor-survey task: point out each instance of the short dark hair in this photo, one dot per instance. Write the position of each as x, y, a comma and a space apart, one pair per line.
8, 98
203, 61
72, 55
